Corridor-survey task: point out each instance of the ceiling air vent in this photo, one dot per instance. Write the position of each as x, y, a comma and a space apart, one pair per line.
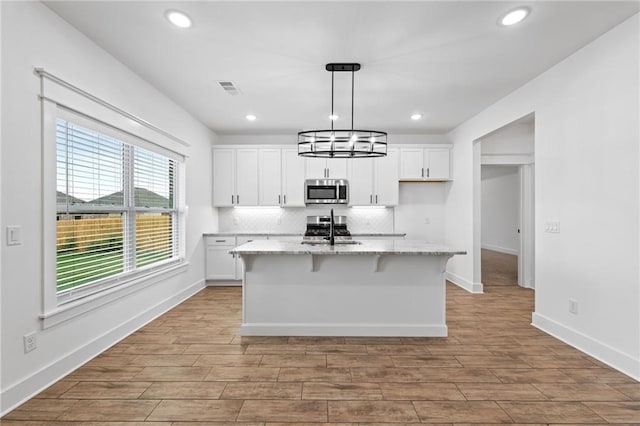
229, 87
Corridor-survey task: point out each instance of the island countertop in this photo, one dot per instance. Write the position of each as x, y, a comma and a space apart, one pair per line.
366, 247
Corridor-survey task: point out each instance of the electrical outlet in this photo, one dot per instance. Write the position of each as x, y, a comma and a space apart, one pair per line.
573, 306
14, 235
30, 342
552, 227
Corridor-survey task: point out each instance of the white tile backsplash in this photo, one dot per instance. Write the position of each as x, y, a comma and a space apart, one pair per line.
286, 220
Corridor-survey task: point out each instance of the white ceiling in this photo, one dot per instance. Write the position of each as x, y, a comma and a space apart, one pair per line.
448, 60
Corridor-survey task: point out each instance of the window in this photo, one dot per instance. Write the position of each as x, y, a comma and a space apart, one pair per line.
117, 210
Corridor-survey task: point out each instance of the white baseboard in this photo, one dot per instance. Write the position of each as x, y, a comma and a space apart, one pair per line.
404, 330
17, 394
601, 351
224, 283
499, 249
465, 284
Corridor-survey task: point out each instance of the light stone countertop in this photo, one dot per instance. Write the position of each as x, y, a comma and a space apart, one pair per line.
300, 234
366, 247
257, 234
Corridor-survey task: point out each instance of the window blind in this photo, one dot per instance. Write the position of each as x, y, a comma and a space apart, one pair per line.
116, 208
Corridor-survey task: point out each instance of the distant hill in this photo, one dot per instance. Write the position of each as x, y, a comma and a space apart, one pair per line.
143, 198
62, 198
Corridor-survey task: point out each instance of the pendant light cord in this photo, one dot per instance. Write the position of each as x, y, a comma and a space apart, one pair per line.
352, 80
331, 118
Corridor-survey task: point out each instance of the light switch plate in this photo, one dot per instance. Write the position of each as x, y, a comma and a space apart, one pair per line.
552, 227
14, 235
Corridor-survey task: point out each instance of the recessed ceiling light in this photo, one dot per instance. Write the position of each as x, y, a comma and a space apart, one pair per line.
333, 117
416, 116
178, 19
251, 117
514, 16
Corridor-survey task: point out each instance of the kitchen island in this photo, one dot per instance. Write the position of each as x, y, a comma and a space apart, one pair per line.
375, 288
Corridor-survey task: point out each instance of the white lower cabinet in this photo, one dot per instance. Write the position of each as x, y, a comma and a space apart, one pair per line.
219, 264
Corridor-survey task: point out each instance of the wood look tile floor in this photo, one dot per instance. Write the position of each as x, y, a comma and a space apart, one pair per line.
499, 268
188, 367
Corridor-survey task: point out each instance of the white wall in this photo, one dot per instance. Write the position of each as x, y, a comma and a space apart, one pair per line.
586, 155
500, 208
420, 213
33, 36
511, 139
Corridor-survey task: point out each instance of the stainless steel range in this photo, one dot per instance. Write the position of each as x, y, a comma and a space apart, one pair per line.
319, 230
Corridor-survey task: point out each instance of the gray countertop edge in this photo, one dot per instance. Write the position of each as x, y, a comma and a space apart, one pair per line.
373, 247
328, 252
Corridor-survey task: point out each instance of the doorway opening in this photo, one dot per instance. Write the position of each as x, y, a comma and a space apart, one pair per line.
504, 209
500, 240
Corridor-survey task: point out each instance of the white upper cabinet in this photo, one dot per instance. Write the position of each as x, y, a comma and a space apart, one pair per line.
337, 168
411, 163
438, 163
387, 177
374, 181
323, 168
224, 176
425, 164
316, 168
361, 187
270, 182
246, 177
235, 177
269, 176
293, 175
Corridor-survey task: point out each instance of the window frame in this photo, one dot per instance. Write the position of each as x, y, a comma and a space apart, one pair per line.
61, 306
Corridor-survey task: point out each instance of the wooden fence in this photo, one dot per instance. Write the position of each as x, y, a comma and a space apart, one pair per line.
153, 232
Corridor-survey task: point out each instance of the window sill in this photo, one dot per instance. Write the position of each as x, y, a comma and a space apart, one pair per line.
67, 311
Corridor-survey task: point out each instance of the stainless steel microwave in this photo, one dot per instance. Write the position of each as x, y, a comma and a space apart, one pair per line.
326, 191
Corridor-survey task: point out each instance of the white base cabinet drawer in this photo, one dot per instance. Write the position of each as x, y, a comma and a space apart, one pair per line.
220, 265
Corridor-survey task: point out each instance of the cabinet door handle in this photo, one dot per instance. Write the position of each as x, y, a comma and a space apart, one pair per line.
285, 198
423, 172
237, 199
221, 241
371, 199
232, 199
376, 198
278, 199
427, 172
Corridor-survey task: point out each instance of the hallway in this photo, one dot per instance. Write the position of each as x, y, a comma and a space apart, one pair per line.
499, 268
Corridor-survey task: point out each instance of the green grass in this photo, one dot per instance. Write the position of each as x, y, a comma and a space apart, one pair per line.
76, 269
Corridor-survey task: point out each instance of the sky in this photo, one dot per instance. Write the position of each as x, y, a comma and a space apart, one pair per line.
90, 164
